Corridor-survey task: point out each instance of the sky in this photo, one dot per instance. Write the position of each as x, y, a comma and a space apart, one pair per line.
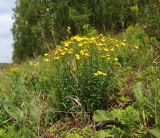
6, 22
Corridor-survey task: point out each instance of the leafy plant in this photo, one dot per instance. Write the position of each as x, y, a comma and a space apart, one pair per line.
84, 66
120, 122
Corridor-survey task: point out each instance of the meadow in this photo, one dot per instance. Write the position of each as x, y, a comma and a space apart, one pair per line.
90, 86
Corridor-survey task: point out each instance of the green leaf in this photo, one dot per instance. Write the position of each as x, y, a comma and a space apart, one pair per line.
155, 132
13, 110
101, 116
138, 92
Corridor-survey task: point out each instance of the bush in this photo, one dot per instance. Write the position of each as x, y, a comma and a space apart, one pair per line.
83, 69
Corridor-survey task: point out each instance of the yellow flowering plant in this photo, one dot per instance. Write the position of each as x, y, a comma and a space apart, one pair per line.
84, 66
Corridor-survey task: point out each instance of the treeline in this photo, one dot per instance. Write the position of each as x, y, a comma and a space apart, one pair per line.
41, 24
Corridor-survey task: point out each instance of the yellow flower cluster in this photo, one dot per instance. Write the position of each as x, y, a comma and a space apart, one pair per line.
46, 54
46, 60
78, 48
135, 9
100, 73
14, 69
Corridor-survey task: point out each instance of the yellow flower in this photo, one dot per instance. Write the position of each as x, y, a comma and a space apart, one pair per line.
106, 49
46, 60
63, 53
134, 9
100, 49
86, 54
123, 44
103, 40
14, 70
46, 54
92, 39
108, 58
112, 49
115, 59
77, 56
77, 38
116, 45
82, 52
66, 44
84, 43
80, 44
66, 49
96, 74
100, 73
136, 47
57, 51
56, 58
70, 52
99, 44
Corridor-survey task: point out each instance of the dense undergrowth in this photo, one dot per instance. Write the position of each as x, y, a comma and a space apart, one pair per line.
90, 86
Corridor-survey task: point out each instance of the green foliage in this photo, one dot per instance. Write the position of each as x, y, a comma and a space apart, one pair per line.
84, 67
13, 132
147, 93
155, 132
149, 17
73, 136
121, 122
88, 30
28, 99
140, 52
128, 116
103, 134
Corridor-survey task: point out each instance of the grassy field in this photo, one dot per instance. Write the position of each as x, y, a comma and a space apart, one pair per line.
88, 87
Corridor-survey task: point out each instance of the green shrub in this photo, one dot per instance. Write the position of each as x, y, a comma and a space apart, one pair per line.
83, 69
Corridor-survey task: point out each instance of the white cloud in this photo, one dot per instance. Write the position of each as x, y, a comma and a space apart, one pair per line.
6, 6
5, 25
5, 30
5, 50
